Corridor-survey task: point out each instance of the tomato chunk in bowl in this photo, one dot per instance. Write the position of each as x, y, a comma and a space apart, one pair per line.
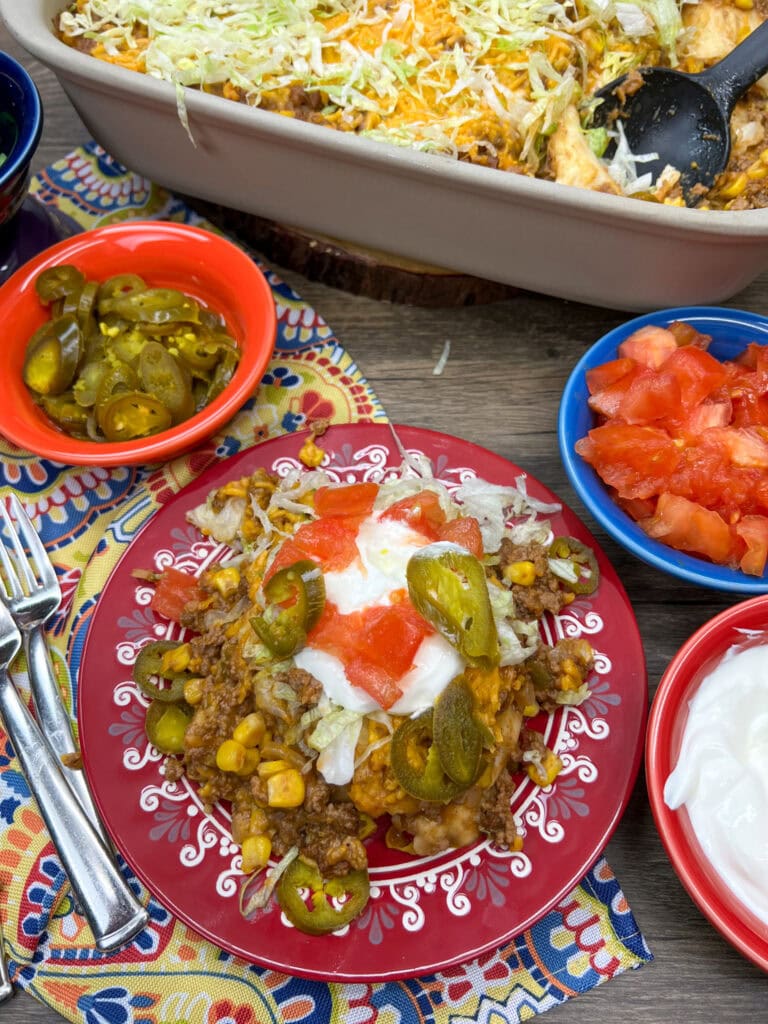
663, 431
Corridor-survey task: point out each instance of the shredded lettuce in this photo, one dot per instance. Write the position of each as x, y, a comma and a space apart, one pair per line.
335, 737
384, 70
517, 639
222, 524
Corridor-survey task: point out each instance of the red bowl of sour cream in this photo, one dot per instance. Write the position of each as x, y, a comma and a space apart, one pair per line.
707, 770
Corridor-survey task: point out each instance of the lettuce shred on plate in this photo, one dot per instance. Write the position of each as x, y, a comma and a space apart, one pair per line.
368, 660
505, 84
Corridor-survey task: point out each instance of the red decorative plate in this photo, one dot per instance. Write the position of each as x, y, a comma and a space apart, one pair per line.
426, 913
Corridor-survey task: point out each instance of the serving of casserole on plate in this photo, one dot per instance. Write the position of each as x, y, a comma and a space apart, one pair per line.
460, 132
311, 770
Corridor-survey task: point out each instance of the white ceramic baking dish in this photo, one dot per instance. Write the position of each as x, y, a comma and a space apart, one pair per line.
563, 241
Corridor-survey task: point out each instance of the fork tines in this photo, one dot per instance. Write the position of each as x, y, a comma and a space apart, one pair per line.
17, 575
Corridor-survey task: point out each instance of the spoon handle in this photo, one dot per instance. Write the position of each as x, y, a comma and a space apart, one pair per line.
732, 76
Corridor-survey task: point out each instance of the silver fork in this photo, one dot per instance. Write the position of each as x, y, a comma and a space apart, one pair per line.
32, 594
10, 643
109, 906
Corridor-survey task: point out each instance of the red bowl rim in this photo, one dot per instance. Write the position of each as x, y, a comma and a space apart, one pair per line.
665, 724
58, 446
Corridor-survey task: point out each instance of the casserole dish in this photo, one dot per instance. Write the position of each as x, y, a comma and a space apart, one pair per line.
563, 241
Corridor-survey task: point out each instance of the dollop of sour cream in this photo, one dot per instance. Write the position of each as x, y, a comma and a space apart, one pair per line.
721, 775
384, 550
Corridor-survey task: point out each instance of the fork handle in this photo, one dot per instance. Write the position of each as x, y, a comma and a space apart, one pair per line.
109, 906
54, 721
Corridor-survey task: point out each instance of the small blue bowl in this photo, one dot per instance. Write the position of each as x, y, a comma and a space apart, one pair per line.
21, 124
731, 331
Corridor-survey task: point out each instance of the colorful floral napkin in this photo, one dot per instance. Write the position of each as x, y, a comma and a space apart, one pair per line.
168, 974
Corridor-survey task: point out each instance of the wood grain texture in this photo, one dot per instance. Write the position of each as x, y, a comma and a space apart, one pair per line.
501, 387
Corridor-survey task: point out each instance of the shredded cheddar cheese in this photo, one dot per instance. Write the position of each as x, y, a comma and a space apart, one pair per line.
485, 81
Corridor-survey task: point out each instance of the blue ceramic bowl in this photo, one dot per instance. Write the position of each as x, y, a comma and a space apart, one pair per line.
731, 331
21, 123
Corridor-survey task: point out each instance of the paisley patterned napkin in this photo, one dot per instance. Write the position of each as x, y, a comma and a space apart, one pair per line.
168, 974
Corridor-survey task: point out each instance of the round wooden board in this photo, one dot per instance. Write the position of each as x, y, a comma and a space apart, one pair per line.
354, 268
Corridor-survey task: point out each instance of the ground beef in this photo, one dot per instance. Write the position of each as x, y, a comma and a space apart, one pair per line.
304, 103
308, 689
324, 829
494, 814
545, 594
206, 649
335, 850
174, 769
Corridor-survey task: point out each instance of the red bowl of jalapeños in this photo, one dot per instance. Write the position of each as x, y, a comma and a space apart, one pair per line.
171, 259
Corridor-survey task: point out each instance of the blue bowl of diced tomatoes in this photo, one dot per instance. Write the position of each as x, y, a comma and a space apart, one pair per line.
663, 432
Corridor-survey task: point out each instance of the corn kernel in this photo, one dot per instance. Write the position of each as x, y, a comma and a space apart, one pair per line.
735, 187
522, 573
225, 581
175, 660
517, 843
545, 773
251, 761
256, 851
286, 789
743, 5
250, 730
757, 171
193, 690
267, 768
230, 756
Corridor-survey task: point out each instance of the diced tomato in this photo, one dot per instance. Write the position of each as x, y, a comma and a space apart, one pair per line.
753, 530
755, 357
651, 396
716, 413
746, 447
333, 632
750, 406
175, 590
698, 373
350, 500
607, 401
602, 376
706, 475
422, 511
638, 508
688, 526
683, 443
376, 645
376, 681
686, 334
464, 531
649, 346
330, 542
390, 636
636, 461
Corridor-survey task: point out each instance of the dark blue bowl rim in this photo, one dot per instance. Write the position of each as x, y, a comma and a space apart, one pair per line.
30, 131
591, 489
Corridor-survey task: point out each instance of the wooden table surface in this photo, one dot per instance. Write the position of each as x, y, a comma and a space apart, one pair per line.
509, 361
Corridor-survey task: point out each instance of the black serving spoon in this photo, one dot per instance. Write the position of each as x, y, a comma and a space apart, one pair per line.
685, 119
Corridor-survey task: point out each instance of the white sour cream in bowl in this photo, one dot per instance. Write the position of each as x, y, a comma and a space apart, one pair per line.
721, 772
